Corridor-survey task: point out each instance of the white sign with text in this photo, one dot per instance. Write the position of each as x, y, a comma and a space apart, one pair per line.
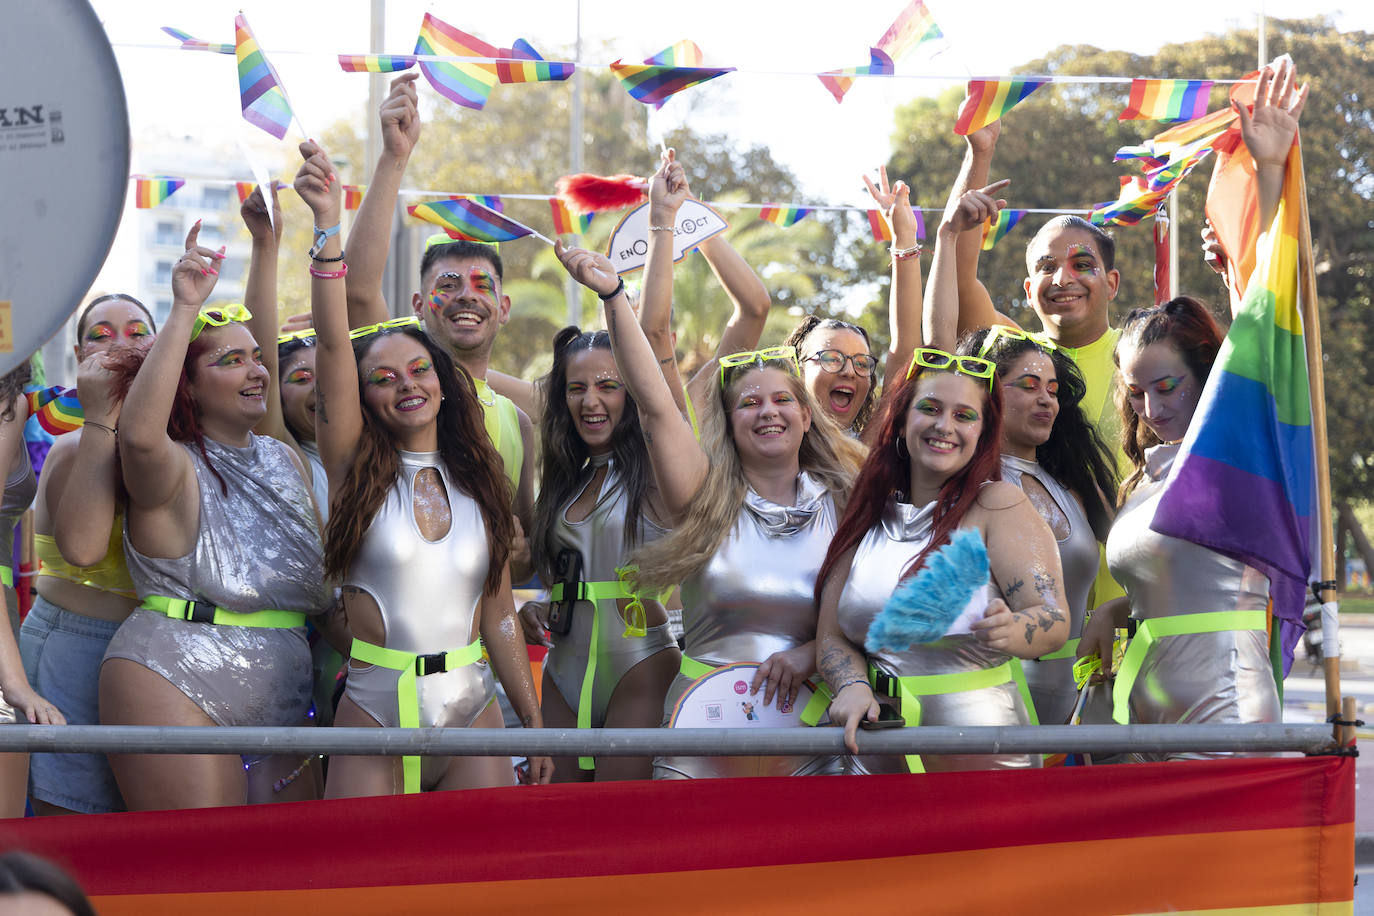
629, 245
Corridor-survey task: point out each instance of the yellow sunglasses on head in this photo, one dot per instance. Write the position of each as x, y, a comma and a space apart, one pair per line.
302, 335
219, 317
760, 357
443, 238
409, 321
931, 358
1006, 332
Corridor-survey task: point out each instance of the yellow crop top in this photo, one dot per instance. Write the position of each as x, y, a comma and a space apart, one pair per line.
109, 575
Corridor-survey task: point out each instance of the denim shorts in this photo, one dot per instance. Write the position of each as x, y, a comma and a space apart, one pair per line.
62, 652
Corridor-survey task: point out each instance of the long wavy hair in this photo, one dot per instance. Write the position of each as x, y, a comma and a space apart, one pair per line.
12, 386
473, 465
1186, 325
888, 472
814, 322
826, 452
565, 454
1075, 453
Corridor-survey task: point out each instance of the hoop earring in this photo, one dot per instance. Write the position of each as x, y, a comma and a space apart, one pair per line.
902, 451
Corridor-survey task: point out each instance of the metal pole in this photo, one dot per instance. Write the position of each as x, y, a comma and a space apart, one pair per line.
1263, 47
640, 742
571, 290
376, 90
1175, 220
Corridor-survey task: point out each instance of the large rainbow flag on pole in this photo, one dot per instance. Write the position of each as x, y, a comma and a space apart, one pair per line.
1244, 483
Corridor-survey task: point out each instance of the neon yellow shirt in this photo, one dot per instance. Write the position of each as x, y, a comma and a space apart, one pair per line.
503, 428
1099, 408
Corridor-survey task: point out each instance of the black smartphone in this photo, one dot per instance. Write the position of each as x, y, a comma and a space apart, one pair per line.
887, 718
567, 572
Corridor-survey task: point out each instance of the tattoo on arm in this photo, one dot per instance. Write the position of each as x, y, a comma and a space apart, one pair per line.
837, 666
1013, 588
667, 360
1030, 633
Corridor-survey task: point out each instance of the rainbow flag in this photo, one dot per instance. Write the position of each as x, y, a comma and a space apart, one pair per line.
469, 219
565, 222
878, 226
376, 63
996, 228
151, 190
1244, 483
468, 85
197, 44
782, 215
1166, 100
531, 67
58, 410
353, 195
1179, 162
244, 188
1135, 202
910, 30
1156, 151
264, 101
840, 81
986, 101
666, 73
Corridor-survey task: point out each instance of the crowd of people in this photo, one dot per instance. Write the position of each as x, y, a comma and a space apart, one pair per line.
370, 480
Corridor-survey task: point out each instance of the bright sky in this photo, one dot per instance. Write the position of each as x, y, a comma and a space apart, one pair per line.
780, 41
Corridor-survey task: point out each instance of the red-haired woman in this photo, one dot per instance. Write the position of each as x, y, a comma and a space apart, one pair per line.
420, 531
935, 468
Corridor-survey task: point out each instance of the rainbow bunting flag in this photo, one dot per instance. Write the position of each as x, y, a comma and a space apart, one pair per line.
1244, 482
244, 188
1135, 202
566, 222
353, 195
376, 63
840, 81
1179, 163
1166, 100
986, 101
264, 101
151, 190
469, 219
666, 73
197, 44
910, 30
784, 216
531, 66
468, 85
996, 228
878, 225
58, 410
1156, 151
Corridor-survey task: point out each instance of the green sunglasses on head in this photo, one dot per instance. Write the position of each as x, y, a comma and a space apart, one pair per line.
219, 317
931, 358
409, 321
1007, 332
760, 357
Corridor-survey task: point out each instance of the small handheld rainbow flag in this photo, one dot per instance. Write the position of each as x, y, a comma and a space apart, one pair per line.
565, 222
666, 73
531, 68
196, 44
264, 101
244, 188
1135, 202
841, 81
986, 101
996, 228
468, 85
780, 215
353, 195
1166, 100
151, 190
376, 63
58, 410
469, 219
910, 30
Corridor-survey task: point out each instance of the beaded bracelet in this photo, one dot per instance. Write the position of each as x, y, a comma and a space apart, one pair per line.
315, 257
329, 274
901, 254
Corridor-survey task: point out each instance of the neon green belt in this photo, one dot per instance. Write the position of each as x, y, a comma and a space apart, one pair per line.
908, 691
635, 626
205, 612
7, 576
412, 667
1147, 631
811, 713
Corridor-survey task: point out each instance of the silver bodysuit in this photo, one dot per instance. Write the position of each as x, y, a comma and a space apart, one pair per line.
884, 553
1196, 677
754, 598
319, 482
429, 594
599, 538
257, 548
1051, 682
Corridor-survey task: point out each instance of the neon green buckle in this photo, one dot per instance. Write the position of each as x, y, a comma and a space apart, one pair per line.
204, 612
412, 666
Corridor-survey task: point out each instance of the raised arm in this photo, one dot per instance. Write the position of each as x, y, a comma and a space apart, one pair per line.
338, 413
841, 664
1269, 132
667, 191
81, 474
975, 305
679, 464
940, 321
155, 468
369, 241
904, 296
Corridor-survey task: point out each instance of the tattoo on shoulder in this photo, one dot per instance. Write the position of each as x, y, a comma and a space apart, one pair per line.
1013, 588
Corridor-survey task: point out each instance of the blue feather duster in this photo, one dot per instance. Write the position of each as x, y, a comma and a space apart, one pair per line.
923, 608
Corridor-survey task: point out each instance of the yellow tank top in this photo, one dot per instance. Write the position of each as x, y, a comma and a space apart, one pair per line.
1099, 407
109, 575
503, 428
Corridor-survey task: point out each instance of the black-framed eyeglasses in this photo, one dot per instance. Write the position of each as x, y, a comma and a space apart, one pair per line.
833, 361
